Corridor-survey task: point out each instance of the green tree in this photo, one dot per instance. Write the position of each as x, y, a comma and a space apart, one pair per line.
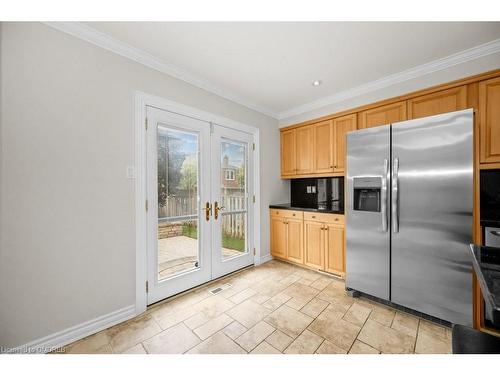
189, 172
240, 175
170, 159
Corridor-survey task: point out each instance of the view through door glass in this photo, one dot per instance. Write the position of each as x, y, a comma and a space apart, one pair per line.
178, 176
233, 198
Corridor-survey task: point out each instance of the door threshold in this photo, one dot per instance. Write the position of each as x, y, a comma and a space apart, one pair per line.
171, 298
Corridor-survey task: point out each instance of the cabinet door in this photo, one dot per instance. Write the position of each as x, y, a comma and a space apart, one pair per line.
439, 102
304, 150
489, 124
278, 237
334, 250
288, 152
295, 245
383, 115
323, 147
341, 125
314, 244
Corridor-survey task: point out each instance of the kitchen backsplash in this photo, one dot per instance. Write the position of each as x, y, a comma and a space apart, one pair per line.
323, 193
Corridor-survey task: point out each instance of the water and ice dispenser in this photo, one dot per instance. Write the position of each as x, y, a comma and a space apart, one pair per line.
367, 193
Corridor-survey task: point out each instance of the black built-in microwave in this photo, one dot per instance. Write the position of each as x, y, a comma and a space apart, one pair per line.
490, 196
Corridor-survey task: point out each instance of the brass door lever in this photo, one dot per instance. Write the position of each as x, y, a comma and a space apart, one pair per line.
217, 209
208, 211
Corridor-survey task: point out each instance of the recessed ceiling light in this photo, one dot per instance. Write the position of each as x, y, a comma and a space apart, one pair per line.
317, 83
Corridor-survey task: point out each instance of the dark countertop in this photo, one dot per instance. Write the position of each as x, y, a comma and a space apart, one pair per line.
288, 206
486, 263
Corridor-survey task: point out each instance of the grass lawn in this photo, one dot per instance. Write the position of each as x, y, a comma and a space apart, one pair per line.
228, 242
190, 231
233, 243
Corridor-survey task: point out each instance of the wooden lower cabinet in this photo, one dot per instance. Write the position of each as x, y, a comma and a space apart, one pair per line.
315, 240
335, 255
295, 238
314, 244
278, 237
287, 235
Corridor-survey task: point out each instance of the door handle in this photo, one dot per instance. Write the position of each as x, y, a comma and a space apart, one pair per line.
383, 198
208, 211
395, 196
217, 209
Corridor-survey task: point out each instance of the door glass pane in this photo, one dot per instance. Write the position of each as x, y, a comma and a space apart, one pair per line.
178, 246
233, 198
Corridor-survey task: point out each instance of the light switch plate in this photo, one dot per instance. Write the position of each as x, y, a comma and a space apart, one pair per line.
308, 189
130, 172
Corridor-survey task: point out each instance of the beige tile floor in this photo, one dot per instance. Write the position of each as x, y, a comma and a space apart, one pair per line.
270, 309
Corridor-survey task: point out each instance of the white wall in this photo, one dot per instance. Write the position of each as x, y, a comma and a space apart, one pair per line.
67, 241
467, 69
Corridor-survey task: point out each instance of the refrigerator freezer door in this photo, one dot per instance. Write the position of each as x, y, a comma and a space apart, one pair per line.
367, 234
431, 269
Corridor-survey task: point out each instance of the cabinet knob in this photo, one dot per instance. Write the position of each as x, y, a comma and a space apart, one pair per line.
314, 217
293, 214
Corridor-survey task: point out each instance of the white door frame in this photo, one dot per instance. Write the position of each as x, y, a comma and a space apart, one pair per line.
141, 101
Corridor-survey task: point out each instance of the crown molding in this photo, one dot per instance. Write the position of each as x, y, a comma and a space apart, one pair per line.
98, 38
393, 79
109, 43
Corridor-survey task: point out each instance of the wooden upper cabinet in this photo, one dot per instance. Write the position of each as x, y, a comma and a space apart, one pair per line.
450, 100
341, 125
323, 147
304, 149
489, 122
288, 166
384, 115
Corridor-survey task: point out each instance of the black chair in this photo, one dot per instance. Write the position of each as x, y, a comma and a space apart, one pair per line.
466, 340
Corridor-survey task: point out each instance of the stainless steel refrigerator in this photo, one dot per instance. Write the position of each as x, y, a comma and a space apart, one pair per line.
409, 214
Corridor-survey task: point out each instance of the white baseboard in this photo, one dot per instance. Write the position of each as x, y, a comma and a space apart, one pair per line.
72, 334
265, 258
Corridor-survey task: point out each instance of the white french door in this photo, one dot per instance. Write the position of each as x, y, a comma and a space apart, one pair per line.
199, 184
232, 190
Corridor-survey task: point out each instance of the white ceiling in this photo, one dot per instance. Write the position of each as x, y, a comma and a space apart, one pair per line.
270, 66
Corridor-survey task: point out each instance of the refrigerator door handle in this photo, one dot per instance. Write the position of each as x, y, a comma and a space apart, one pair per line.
395, 197
383, 198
